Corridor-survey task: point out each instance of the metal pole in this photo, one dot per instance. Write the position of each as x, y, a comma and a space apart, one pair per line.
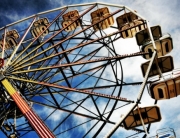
120, 121
4, 42
146, 77
142, 121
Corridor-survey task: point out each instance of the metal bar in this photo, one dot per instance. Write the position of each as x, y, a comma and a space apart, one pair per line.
146, 77
142, 121
74, 63
120, 121
14, 52
65, 110
76, 102
134, 12
72, 89
38, 36
114, 105
57, 34
69, 114
56, 9
84, 72
151, 36
75, 127
4, 43
68, 39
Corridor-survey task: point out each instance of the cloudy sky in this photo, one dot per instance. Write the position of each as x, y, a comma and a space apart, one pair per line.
158, 12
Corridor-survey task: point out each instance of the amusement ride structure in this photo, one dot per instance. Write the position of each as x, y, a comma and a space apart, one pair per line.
62, 76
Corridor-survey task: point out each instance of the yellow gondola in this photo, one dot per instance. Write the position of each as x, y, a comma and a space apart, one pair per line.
39, 26
143, 37
68, 18
164, 46
101, 14
165, 64
11, 39
129, 24
165, 89
149, 115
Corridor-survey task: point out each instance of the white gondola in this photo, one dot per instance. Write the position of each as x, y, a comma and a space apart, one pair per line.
165, 89
39, 26
165, 133
166, 136
101, 14
129, 24
68, 18
164, 46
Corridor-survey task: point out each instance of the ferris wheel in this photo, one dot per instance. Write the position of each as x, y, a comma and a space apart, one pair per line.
62, 75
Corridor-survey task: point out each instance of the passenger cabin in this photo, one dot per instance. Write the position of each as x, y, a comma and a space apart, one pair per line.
165, 89
165, 64
10, 40
143, 37
149, 115
39, 26
102, 14
164, 46
68, 18
129, 24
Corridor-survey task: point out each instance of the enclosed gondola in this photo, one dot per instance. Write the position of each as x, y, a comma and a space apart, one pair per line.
129, 24
165, 89
143, 36
165, 64
104, 15
149, 115
164, 46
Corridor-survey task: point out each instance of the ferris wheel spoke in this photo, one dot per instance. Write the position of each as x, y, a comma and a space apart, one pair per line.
19, 44
4, 43
75, 63
75, 127
66, 40
20, 54
76, 102
68, 115
54, 36
72, 89
61, 91
96, 69
103, 68
72, 112
59, 53
39, 75
60, 66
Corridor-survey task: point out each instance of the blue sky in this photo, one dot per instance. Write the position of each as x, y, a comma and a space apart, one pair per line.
158, 12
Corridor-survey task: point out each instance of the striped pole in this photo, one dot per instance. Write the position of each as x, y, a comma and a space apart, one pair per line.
38, 125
